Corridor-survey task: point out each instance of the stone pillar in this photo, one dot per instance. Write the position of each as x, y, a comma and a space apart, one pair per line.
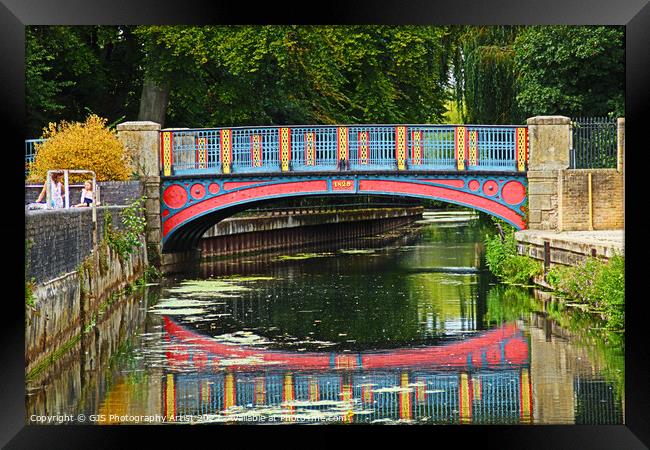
142, 140
549, 139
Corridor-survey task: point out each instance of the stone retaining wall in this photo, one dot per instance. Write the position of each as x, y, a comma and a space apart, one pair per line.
65, 306
558, 197
569, 248
58, 240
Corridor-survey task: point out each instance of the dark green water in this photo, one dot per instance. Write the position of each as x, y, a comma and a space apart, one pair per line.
404, 328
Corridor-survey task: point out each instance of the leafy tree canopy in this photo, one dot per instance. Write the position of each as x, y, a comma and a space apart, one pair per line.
72, 71
484, 74
259, 75
239, 75
570, 70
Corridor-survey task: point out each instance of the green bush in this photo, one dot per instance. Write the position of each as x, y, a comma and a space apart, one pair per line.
503, 260
595, 283
611, 291
125, 241
520, 269
497, 251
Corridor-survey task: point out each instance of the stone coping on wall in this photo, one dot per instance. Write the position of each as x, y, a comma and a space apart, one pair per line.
548, 120
111, 192
606, 243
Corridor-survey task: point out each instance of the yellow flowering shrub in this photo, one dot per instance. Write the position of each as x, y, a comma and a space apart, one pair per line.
82, 146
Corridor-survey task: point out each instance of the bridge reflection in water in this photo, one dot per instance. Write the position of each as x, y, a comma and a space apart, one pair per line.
483, 379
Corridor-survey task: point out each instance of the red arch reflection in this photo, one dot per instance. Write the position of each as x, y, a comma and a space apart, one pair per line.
503, 346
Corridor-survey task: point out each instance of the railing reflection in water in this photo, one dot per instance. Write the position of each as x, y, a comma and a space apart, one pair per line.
431, 396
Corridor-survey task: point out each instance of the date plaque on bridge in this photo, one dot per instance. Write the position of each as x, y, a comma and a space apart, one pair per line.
343, 185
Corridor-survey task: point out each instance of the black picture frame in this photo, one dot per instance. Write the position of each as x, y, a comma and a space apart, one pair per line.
15, 14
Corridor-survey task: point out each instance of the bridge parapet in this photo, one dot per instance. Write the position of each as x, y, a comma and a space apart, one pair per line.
249, 150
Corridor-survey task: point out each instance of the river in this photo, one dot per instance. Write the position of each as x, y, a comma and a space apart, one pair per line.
407, 327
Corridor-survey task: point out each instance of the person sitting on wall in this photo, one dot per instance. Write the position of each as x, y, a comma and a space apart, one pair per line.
87, 195
56, 188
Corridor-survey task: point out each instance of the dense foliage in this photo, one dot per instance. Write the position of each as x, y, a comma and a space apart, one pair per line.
257, 75
503, 260
569, 70
598, 284
84, 146
128, 239
505, 74
484, 71
72, 71
302, 74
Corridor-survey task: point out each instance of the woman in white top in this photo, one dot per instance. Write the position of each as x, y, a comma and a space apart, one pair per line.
56, 188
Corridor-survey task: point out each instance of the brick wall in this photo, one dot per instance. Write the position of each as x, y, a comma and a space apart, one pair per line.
119, 192
60, 239
111, 192
607, 195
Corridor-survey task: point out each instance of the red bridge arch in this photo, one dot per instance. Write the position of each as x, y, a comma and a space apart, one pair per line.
191, 205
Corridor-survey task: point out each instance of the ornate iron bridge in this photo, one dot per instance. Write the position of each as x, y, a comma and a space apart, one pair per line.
209, 174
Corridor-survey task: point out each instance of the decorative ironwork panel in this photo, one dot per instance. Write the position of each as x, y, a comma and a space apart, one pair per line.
201, 153
226, 150
256, 150
310, 149
285, 148
416, 149
525, 395
473, 154
465, 398
363, 147
460, 148
522, 149
342, 143
167, 153
400, 147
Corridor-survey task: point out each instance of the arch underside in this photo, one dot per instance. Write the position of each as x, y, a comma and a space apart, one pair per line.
183, 226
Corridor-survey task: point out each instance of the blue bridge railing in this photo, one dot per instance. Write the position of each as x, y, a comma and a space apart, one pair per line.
344, 147
30, 152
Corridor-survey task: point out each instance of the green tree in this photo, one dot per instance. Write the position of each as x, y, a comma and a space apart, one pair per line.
72, 71
570, 70
484, 76
41, 86
255, 75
